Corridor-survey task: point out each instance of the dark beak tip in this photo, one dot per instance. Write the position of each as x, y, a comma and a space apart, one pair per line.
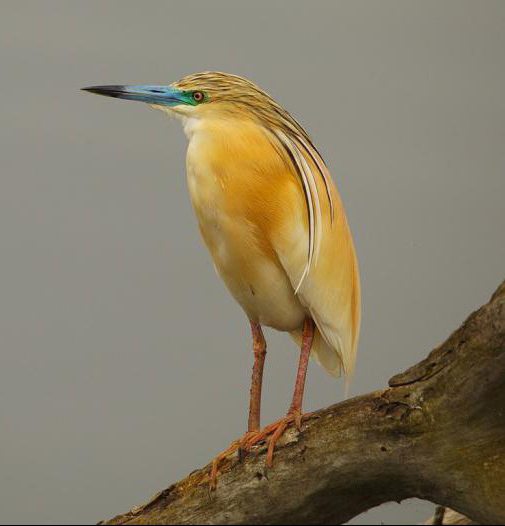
108, 91
93, 89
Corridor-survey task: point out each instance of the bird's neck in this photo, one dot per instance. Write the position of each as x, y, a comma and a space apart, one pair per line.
191, 125
217, 126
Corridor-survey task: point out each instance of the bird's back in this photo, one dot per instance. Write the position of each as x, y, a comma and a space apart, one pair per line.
330, 288
252, 212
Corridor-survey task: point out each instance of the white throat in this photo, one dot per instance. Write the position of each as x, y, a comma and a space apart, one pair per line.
190, 125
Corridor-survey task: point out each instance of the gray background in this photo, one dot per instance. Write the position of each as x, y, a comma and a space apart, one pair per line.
124, 362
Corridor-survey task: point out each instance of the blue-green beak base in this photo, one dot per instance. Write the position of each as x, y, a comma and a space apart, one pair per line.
150, 94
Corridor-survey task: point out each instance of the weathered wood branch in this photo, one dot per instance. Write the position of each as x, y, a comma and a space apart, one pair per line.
437, 433
449, 517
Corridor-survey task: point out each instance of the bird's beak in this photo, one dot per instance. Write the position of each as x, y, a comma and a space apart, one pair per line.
163, 95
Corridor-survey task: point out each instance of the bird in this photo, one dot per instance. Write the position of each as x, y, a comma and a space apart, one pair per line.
274, 223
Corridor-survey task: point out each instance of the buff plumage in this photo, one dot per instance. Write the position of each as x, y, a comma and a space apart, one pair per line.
327, 283
273, 221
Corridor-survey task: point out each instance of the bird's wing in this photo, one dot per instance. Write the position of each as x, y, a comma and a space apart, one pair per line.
326, 279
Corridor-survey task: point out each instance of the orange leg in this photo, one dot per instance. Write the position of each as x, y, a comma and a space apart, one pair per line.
260, 351
294, 415
253, 427
272, 432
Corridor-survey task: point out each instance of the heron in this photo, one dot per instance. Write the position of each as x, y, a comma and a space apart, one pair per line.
272, 218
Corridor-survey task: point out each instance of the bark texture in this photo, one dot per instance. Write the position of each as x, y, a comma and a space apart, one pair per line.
447, 516
436, 433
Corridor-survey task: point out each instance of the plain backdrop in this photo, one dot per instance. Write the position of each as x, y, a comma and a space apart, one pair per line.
124, 362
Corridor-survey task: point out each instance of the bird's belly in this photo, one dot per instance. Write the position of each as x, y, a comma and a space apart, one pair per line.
254, 277
263, 291
257, 281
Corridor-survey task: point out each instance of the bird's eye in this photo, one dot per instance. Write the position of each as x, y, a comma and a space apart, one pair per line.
198, 96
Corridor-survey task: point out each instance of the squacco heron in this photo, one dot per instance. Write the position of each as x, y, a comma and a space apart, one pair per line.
274, 223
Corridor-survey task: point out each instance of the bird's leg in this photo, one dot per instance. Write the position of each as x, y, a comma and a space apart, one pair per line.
276, 430
260, 351
253, 427
307, 340
295, 410
272, 432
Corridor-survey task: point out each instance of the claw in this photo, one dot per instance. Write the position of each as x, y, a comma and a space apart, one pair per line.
241, 446
281, 428
214, 471
271, 433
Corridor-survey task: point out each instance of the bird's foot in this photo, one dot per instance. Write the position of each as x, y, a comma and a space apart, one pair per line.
273, 432
270, 434
241, 446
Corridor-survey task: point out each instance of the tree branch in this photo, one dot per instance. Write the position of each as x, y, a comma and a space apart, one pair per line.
437, 433
449, 517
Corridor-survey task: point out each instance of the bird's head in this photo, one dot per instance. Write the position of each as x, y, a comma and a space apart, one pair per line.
193, 95
208, 94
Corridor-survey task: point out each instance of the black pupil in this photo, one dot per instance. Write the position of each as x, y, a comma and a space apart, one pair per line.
197, 96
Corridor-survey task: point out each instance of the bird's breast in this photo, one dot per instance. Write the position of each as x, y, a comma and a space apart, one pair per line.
237, 193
